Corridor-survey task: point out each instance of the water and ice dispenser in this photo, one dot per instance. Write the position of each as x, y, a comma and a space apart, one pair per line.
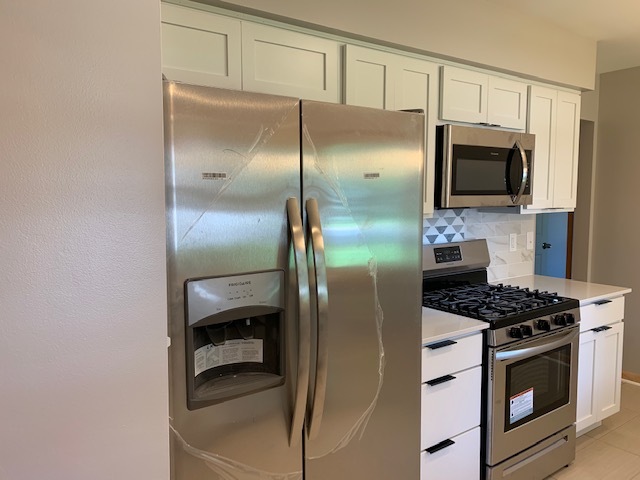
234, 331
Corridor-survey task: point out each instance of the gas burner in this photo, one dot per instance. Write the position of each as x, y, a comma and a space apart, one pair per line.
489, 302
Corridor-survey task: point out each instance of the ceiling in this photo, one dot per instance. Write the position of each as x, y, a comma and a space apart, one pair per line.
614, 25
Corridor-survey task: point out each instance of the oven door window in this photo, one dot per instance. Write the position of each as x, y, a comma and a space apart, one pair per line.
537, 385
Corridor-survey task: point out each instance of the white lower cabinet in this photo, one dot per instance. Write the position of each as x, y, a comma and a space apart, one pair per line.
599, 363
451, 393
453, 405
459, 460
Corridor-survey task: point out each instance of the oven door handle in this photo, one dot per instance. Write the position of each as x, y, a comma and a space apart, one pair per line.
528, 352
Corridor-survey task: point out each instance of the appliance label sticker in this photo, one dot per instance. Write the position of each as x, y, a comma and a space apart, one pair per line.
232, 351
521, 405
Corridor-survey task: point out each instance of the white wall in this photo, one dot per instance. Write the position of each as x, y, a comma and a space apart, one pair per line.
615, 217
83, 387
472, 31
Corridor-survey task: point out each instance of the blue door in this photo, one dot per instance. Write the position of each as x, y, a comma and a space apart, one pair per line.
551, 244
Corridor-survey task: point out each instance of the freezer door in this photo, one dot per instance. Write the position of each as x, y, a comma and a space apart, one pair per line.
363, 168
232, 163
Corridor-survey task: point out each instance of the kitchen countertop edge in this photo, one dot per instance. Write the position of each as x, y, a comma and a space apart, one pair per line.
585, 292
438, 325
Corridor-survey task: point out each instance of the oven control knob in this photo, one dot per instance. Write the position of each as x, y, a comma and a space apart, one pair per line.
571, 318
560, 320
543, 325
515, 332
526, 330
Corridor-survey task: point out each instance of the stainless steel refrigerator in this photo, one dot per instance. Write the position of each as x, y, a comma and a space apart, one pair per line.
294, 273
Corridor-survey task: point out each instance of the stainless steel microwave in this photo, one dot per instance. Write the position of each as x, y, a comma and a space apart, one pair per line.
482, 167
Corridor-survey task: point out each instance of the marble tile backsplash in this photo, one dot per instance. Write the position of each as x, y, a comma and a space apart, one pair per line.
470, 223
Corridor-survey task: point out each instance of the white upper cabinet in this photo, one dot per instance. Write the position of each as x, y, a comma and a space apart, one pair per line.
567, 141
554, 118
396, 82
200, 47
207, 49
369, 77
284, 62
464, 95
417, 87
507, 104
542, 122
476, 97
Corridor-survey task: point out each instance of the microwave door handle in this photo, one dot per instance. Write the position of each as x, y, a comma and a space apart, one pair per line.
304, 320
316, 404
525, 172
531, 351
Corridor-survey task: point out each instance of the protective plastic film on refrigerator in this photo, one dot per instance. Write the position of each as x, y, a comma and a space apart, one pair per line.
294, 262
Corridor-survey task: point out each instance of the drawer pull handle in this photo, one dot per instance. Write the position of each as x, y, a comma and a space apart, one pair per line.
601, 329
439, 380
440, 446
444, 343
602, 302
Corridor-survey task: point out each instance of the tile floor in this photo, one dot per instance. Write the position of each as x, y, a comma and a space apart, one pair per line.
611, 451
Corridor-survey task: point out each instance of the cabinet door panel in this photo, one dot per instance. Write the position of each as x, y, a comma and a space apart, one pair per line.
586, 412
289, 63
567, 140
368, 78
463, 95
608, 370
417, 87
507, 103
200, 47
542, 123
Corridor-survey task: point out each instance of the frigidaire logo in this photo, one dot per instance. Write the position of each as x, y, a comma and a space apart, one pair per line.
238, 284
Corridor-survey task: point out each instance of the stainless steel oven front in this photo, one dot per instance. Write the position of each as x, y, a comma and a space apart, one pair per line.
531, 396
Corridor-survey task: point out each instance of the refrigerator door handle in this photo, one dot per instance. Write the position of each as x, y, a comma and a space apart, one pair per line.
317, 395
304, 320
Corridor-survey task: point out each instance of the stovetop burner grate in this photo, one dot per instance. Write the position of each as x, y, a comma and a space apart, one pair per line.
490, 302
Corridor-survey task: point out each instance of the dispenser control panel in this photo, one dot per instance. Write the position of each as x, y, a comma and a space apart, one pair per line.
215, 295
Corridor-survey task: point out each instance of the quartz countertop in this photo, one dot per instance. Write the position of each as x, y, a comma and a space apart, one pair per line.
438, 325
585, 292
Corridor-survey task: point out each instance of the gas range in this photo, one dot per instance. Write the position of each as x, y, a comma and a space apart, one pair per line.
530, 360
513, 313
455, 281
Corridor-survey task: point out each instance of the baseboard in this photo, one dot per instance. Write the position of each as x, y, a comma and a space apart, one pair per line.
631, 377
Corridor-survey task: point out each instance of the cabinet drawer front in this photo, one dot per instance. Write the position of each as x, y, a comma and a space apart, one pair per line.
601, 313
465, 353
451, 407
460, 460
